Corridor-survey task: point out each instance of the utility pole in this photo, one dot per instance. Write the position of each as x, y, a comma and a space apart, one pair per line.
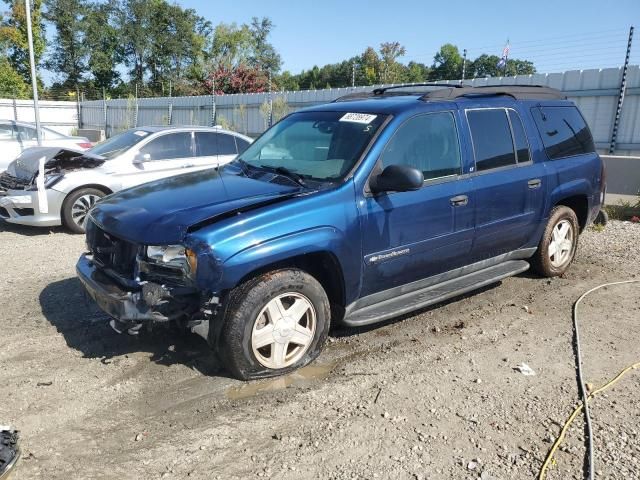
270, 102
213, 99
464, 64
353, 74
34, 83
104, 111
623, 88
170, 113
135, 110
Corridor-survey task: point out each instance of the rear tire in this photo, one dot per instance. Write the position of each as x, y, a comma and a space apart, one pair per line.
558, 245
274, 324
76, 207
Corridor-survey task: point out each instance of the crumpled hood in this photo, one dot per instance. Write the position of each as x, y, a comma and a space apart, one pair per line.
26, 165
160, 212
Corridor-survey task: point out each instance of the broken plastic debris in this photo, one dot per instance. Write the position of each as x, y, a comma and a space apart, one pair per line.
525, 369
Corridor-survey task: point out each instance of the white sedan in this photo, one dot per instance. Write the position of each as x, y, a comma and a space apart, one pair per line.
18, 136
50, 186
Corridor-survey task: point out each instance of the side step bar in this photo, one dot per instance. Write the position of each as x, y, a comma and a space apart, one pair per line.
434, 294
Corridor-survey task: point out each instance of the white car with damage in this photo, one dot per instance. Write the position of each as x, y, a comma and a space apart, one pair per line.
49, 186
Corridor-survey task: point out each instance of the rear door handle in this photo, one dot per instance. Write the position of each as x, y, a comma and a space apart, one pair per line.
535, 183
187, 165
459, 200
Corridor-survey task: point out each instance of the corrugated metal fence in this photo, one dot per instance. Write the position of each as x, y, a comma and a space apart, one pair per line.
60, 116
594, 91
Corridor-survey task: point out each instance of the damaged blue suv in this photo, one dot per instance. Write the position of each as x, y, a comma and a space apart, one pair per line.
351, 212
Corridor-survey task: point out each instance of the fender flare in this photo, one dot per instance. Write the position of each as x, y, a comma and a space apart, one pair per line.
324, 239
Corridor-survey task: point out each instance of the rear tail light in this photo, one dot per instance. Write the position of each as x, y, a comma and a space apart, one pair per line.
85, 145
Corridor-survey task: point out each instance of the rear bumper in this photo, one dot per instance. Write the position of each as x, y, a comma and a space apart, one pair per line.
22, 207
149, 303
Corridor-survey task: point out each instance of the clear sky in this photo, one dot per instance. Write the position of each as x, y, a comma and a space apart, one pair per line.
556, 35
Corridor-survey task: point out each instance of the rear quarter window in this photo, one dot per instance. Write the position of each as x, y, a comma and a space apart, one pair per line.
563, 130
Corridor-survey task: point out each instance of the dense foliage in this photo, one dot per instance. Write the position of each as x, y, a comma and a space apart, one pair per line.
155, 47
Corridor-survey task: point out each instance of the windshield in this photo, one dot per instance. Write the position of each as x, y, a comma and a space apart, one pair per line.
321, 146
119, 143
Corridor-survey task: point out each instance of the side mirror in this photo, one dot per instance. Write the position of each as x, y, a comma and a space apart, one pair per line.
141, 158
397, 178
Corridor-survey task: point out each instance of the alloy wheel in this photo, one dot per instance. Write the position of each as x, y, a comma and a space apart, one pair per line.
284, 330
81, 208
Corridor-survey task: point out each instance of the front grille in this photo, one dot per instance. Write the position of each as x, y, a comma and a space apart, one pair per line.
4, 213
9, 182
110, 251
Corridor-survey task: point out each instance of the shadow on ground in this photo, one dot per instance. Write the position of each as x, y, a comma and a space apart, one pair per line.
29, 231
86, 329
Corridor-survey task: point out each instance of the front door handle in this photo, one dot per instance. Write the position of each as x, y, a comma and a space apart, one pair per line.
459, 200
187, 165
535, 183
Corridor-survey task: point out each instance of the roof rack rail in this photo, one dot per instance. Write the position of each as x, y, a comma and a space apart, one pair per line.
518, 92
382, 90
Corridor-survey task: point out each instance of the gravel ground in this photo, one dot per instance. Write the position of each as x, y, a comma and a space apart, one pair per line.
430, 395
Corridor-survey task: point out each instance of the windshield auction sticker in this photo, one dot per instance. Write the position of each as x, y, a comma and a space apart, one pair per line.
363, 118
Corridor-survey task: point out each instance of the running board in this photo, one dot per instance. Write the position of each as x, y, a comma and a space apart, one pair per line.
434, 294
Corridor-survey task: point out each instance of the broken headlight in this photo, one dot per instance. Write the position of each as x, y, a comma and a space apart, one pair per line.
175, 256
50, 180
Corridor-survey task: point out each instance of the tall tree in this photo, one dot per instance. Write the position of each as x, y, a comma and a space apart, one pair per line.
69, 59
104, 43
447, 63
391, 69
265, 57
13, 34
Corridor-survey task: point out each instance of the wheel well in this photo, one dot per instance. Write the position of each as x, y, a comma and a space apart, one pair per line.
323, 266
580, 205
102, 188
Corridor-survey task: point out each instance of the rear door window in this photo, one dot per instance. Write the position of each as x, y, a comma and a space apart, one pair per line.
210, 144
169, 146
563, 130
492, 141
426, 142
519, 137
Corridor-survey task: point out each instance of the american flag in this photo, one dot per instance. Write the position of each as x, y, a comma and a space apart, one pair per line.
505, 54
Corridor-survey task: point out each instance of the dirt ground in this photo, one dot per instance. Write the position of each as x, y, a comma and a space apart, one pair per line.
430, 395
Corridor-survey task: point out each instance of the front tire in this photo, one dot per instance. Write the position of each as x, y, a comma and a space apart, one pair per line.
76, 207
558, 245
275, 323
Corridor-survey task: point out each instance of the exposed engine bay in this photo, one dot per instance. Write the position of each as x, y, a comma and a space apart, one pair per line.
21, 174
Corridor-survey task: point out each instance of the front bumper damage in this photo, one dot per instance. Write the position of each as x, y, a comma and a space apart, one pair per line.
23, 207
132, 304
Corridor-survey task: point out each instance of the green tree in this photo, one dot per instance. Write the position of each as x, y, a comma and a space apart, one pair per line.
264, 57
447, 63
103, 42
13, 35
487, 66
392, 71
69, 59
416, 72
11, 83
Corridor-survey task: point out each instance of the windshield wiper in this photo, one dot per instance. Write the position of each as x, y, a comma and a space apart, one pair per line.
285, 172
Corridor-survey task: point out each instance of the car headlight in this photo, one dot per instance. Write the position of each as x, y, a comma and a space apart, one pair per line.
172, 256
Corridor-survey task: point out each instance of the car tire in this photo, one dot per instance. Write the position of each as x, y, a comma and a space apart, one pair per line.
76, 207
274, 324
559, 242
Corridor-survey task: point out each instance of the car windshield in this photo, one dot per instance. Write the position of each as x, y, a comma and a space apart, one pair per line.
119, 143
320, 146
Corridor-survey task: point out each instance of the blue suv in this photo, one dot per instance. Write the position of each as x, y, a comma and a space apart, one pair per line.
351, 212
